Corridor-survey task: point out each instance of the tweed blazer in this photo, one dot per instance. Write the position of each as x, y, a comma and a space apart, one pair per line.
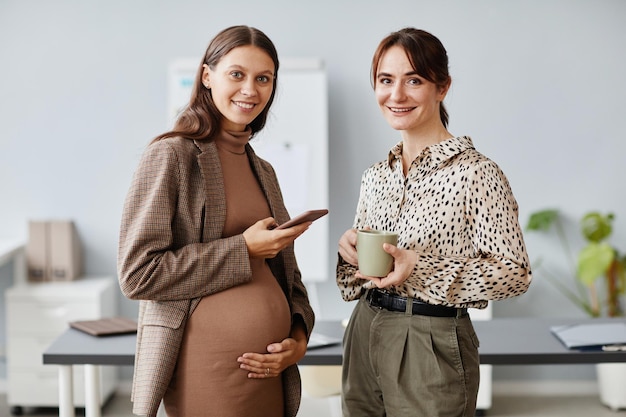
171, 254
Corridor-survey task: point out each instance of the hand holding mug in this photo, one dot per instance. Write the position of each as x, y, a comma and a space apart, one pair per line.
373, 260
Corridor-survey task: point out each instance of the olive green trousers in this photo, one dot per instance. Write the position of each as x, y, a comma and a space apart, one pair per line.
399, 365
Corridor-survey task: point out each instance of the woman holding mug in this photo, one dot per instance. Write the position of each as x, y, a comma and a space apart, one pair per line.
410, 348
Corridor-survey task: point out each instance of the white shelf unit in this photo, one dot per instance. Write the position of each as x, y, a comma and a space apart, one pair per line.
12, 250
37, 313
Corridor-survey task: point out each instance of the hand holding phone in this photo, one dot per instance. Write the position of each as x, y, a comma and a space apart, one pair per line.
307, 216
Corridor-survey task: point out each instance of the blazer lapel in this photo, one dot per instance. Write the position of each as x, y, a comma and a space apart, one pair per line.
215, 204
263, 180
270, 189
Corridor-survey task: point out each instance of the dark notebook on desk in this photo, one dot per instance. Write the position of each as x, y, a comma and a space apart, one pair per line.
591, 336
106, 327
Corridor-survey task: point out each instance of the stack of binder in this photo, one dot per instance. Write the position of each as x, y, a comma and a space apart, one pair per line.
53, 251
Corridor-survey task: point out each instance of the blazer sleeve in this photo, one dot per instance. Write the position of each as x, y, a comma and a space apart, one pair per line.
160, 255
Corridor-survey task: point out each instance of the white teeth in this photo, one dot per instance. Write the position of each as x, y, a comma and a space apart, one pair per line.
244, 105
396, 110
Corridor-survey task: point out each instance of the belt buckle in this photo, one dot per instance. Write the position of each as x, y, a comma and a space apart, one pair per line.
370, 298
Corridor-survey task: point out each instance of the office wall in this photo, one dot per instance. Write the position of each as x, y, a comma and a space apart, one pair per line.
538, 85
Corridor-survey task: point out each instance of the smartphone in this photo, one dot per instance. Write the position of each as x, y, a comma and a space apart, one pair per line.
307, 216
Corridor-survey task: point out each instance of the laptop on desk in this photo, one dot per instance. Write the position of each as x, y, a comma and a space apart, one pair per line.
592, 336
318, 340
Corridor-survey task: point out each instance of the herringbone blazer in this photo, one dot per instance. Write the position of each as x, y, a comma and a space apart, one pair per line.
171, 254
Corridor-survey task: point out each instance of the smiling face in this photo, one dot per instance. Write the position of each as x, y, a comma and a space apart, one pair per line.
409, 102
241, 85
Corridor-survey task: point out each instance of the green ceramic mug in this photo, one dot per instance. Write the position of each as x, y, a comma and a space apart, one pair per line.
373, 260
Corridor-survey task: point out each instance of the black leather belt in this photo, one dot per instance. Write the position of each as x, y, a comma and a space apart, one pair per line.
392, 302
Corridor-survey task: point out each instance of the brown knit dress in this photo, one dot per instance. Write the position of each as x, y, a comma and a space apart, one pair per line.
246, 318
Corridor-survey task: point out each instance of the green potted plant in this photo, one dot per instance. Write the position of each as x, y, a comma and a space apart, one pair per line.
600, 282
599, 268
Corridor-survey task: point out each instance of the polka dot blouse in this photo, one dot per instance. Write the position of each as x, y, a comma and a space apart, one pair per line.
455, 208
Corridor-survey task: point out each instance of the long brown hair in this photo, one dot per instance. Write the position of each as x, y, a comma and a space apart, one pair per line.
201, 119
427, 56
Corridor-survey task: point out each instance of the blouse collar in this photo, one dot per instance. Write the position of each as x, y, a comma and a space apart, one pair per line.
439, 152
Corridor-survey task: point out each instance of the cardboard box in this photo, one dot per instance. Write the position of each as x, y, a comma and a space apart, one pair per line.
36, 251
63, 251
53, 251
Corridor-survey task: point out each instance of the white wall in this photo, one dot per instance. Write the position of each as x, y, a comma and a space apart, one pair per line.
539, 85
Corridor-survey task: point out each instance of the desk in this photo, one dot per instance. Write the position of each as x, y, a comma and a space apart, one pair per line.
506, 341
74, 347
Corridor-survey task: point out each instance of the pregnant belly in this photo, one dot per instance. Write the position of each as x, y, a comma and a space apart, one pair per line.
245, 318
242, 319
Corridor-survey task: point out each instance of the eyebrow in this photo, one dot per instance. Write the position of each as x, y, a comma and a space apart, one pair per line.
385, 74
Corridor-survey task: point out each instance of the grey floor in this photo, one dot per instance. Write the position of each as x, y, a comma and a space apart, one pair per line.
513, 406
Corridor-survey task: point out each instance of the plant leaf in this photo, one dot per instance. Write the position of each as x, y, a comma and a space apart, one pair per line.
542, 220
594, 261
595, 227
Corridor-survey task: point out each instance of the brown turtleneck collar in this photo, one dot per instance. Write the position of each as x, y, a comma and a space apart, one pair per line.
233, 142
